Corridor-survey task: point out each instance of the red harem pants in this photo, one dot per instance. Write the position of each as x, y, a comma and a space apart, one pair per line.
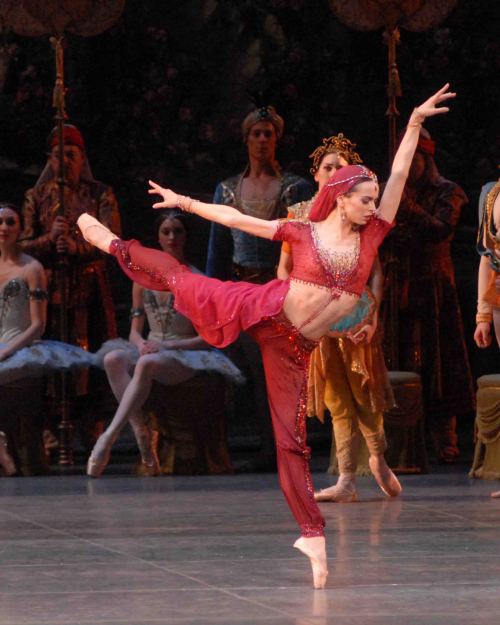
285, 354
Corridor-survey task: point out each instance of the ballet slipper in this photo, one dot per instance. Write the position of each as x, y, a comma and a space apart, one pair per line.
99, 458
6, 460
315, 549
385, 478
95, 233
341, 492
495, 494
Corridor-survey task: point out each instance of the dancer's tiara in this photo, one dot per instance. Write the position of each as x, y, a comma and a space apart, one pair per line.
366, 173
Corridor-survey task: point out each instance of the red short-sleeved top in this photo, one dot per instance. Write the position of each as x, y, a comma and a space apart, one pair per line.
312, 264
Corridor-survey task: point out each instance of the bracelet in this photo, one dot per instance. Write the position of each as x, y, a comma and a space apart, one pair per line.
416, 118
484, 317
185, 203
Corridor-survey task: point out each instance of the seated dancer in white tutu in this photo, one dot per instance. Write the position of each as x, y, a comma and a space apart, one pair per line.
333, 254
172, 353
23, 313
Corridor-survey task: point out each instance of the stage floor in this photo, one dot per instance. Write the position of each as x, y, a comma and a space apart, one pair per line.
217, 551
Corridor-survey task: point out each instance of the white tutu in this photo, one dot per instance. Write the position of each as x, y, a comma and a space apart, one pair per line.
41, 358
206, 360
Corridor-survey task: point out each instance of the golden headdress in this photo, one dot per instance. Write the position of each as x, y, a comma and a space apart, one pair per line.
337, 144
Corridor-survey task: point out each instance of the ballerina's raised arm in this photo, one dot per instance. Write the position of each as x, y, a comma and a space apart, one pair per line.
389, 202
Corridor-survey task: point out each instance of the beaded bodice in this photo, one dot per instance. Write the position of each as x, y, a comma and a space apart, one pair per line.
14, 308
339, 271
164, 321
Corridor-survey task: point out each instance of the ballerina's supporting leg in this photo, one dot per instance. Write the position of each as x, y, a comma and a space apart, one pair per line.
285, 361
149, 367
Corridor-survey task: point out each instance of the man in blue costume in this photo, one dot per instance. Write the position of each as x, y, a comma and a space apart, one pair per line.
262, 190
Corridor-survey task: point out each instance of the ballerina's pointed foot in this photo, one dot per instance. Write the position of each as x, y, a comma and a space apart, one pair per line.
495, 494
315, 549
95, 233
385, 478
6, 460
99, 458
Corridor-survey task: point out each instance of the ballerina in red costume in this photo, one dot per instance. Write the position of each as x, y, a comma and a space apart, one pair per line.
333, 255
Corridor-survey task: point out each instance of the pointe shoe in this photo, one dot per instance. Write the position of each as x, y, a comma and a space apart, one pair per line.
6, 460
95, 233
385, 478
95, 468
315, 550
495, 494
147, 442
340, 493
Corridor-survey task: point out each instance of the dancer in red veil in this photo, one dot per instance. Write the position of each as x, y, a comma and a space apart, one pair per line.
333, 255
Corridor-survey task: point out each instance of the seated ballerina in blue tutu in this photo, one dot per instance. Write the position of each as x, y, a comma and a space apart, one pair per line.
171, 354
23, 314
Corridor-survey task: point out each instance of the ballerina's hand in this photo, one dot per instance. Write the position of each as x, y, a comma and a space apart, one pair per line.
430, 108
170, 198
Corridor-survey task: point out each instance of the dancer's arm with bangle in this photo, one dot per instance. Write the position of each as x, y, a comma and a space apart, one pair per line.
218, 213
484, 315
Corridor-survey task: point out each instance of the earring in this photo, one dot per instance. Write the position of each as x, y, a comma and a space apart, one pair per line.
342, 214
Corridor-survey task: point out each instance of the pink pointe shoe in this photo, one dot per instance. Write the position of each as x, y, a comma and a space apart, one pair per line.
385, 478
95, 467
95, 233
495, 494
315, 550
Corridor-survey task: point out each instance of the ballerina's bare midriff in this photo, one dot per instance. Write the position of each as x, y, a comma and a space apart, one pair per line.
312, 309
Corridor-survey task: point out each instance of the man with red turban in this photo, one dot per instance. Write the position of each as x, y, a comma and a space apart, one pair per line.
430, 333
48, 236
